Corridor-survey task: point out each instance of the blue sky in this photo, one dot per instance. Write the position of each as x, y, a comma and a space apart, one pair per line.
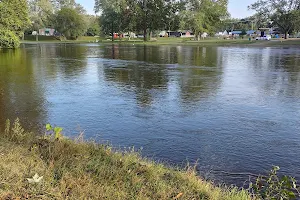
237, 8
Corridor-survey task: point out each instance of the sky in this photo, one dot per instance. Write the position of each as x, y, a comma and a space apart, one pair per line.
237, 8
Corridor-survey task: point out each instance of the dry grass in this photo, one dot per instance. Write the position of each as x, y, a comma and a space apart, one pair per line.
81, 170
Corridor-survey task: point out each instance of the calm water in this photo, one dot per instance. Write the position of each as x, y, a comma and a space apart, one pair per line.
233, 109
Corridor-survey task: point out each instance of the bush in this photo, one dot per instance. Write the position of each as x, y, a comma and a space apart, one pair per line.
275, 187
8, 39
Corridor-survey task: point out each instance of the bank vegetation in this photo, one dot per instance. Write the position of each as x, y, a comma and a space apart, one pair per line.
49, 166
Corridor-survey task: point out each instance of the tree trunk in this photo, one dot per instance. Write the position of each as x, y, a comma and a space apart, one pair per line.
145, 19
112, 31
198, 36
286, 35
145, 34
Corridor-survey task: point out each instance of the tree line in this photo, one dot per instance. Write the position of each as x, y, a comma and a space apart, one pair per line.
146, 16
140, 16
283, 14
67, 17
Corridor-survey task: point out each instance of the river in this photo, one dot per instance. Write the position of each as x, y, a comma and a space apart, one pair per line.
231, 109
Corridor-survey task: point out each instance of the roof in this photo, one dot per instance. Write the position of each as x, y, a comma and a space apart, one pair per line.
250, 32
236, 32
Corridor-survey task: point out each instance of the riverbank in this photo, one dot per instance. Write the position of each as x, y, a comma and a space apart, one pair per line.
179, 42
75, 169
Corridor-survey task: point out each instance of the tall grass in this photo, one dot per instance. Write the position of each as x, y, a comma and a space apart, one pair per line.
75, 169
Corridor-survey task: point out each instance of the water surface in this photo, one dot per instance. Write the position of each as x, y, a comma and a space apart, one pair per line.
233, 109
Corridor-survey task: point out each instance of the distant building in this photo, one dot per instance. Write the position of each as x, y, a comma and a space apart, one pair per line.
236, 33
251, 32
204, 35
174, 33
183, 33
163, 34
187, 34
47, 31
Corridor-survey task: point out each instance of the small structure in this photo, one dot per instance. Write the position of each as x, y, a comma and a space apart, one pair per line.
264, 31
163, 34
174, 33
186, 34
236, 33
204, 35
129, 35
47, 31
251, 32
118, 35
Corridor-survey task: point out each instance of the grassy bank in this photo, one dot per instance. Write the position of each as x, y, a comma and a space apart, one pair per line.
213, 42
74, 169
179, 41
30, 39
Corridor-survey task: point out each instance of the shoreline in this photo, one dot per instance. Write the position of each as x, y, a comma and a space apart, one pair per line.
78, 169
224, 43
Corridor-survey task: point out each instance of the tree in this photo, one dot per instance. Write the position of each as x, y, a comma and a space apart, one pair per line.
41, 12
137, 15
93, 26
13, 21
282, 13
70, 23
111, 15
203, 15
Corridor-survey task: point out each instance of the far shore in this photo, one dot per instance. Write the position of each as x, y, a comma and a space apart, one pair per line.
179, 42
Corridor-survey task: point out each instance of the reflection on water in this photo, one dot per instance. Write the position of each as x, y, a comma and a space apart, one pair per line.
21, 94
233, 109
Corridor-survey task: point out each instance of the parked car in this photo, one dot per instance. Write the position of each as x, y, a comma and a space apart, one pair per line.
265, 37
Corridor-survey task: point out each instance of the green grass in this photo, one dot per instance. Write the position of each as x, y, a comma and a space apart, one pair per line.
75, 169
171, 41
52, 39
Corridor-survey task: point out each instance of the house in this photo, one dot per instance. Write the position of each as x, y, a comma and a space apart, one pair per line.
129, 35
174, 34
47, 31
236, 33
251, 32
180, 33
186, 34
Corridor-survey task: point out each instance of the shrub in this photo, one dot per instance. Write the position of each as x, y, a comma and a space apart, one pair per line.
275, 187
8, 39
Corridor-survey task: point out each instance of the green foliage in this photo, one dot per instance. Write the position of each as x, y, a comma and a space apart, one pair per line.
41, 13
243, 32
139, 16
55, 132
274, 187
93, 26
8, 39
70, 23
282, 13
203, 16
13, 21
15, 131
